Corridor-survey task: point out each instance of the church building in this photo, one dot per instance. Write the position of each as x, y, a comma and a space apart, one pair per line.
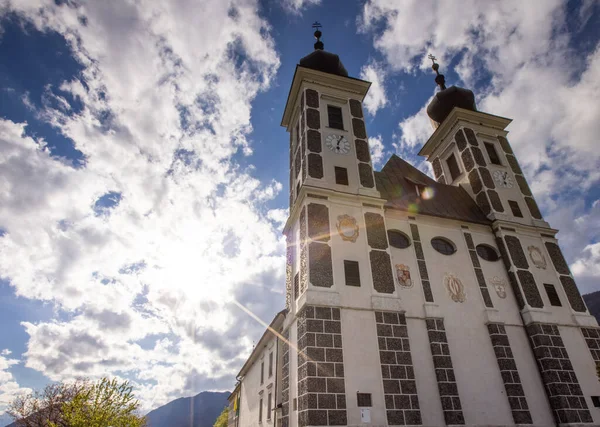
411, 300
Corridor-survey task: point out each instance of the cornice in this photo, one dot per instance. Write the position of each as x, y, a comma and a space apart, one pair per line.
475, 117
348, 84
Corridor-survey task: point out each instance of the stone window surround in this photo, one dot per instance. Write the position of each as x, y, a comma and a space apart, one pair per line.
558, 284
502, 234
340, 103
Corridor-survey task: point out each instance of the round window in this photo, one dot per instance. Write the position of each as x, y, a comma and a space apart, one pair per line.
443, 246
398, 239
487, 252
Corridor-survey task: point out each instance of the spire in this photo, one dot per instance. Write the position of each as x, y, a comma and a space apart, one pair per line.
318, 44
439, 78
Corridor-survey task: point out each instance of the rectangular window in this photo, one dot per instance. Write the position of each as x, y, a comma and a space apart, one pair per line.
352, 273
260, 411
298, 189
363, 400
262, 372
492, 153
341, 176
296, 286
552, 295
596, 399
270, 364
516, 210
335, 117
295, 404
269, 407
453, 167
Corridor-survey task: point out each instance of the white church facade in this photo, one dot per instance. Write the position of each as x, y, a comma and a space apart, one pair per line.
409, 300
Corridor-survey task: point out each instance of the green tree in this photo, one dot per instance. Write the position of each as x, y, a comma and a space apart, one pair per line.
223, 418
82, 403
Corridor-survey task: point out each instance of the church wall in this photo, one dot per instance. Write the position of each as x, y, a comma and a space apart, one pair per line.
361, 359
531, 381
583, 365
252, 390
427, 386
351, 296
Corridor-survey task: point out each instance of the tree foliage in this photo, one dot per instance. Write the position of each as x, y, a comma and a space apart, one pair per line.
78, 404
223, 418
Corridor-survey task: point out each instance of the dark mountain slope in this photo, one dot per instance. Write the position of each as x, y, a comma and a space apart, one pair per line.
201, 410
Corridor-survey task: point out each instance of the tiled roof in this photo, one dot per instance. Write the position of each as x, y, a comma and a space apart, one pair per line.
397, 183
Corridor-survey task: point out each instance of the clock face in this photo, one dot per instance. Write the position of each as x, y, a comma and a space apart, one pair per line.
338, 144
503, 179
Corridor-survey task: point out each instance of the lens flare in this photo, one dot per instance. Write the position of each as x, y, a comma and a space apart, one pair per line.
427, 193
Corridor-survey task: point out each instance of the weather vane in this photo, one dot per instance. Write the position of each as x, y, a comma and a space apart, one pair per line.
439, 78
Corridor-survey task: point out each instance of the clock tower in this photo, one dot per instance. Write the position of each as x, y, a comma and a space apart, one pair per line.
337, 248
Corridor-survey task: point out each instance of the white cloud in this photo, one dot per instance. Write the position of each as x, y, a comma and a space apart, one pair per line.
146, 287
377, 150
9, 388
376, 97
297, 6
536, 79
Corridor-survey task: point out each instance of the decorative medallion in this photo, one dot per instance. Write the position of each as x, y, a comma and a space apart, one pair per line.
347, 228
499, 286
403, 275
455, 288
537, 257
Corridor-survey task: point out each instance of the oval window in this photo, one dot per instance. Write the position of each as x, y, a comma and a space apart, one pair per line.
487, 252
398, 239
443, 246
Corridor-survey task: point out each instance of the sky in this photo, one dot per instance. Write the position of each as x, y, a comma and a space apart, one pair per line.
143, 169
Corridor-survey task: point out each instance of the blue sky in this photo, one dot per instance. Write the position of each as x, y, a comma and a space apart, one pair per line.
143, 171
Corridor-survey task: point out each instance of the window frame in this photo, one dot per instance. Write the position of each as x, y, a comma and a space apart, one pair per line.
402, 234
270, 364
269, 406
490, 146
260, 410
514, 204
554, 294
341, 170
459, 170
351, 263
490, 247
335, 107
262, 372
445, 240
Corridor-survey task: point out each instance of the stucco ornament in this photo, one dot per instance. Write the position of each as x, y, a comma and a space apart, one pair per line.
347, 228
403, 275
537, 257
455, 288
499, 286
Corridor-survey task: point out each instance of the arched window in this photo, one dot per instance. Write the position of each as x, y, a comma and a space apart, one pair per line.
487, 252
398, 239
443, 246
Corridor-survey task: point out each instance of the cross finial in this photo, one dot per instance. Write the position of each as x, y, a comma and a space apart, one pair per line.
318, 44
439, 78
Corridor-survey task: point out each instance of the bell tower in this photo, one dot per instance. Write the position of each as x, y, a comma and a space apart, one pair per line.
470, 149
338, 256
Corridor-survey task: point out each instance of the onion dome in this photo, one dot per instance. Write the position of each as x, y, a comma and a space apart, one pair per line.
321, 60
447, 98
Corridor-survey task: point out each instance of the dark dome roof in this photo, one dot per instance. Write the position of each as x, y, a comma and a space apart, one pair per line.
327, 62
445, 100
